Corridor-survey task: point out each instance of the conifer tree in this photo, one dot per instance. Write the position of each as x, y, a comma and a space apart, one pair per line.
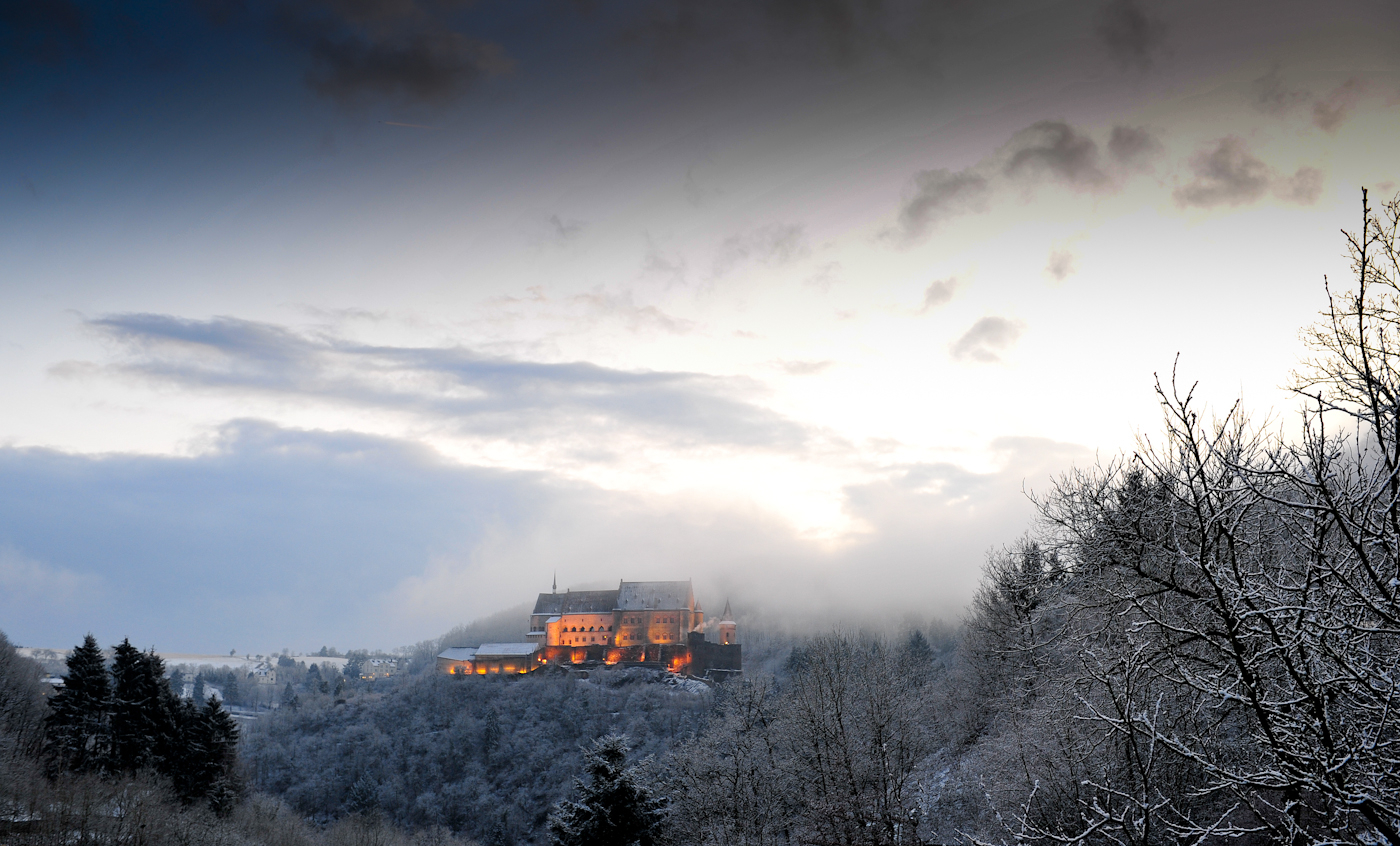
219, 734
615, 807
79, 721
137, 730
290, 698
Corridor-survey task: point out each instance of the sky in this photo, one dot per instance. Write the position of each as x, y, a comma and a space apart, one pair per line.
343, 322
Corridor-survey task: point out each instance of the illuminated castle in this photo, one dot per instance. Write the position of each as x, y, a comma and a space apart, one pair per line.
655, 624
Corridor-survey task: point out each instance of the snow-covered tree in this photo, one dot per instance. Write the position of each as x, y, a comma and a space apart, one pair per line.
615, 807
78, 727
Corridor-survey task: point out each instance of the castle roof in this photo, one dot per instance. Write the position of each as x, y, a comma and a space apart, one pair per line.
646, 596
576, 602
629, 596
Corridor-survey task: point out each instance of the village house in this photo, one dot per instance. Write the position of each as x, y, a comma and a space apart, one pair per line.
378, 668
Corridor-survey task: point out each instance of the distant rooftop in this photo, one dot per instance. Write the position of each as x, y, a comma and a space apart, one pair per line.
458, 653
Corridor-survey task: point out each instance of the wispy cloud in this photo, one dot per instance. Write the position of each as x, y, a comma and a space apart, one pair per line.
939, 292
622, 306
806, 368
987, 340
1331, 111
774, 244
1273, 96
1303, 187
936, 195
477, 394
1061, 265
565, 230
1055, 149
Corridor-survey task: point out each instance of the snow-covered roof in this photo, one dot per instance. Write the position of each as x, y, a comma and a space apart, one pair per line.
506, 650
647, 596
458, 653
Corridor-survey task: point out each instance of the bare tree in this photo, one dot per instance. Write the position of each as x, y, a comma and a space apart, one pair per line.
1242, 589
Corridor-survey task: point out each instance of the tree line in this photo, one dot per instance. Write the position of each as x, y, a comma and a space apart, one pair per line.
125, 718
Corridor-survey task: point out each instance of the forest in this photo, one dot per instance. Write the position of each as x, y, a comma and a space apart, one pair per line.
1196, 643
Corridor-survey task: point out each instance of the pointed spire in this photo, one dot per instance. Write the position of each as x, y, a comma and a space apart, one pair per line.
554, 588
726, 615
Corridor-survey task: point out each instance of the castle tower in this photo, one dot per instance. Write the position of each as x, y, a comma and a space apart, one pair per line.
728, 629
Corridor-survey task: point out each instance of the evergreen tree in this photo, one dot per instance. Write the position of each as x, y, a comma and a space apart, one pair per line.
79, 722
916, 650
137, 726
363, 797
219, 780
289, 697
616, 808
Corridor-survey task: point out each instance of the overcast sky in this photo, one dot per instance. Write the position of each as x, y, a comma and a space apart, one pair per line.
346, 321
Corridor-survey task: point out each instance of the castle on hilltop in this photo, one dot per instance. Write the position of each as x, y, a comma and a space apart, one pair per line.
655, 624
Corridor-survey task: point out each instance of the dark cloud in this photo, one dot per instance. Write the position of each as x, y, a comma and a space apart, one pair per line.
1272, 96
1133, 147
687, 34
1061, 265
1332, 111
417, 50
273, 534
936, 195
1303, 187
1226, 175
427, 66
938, 293
1054, 148
1132, 36
479, 394
987, 339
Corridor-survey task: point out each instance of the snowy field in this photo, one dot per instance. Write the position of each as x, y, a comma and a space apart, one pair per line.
49, 657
